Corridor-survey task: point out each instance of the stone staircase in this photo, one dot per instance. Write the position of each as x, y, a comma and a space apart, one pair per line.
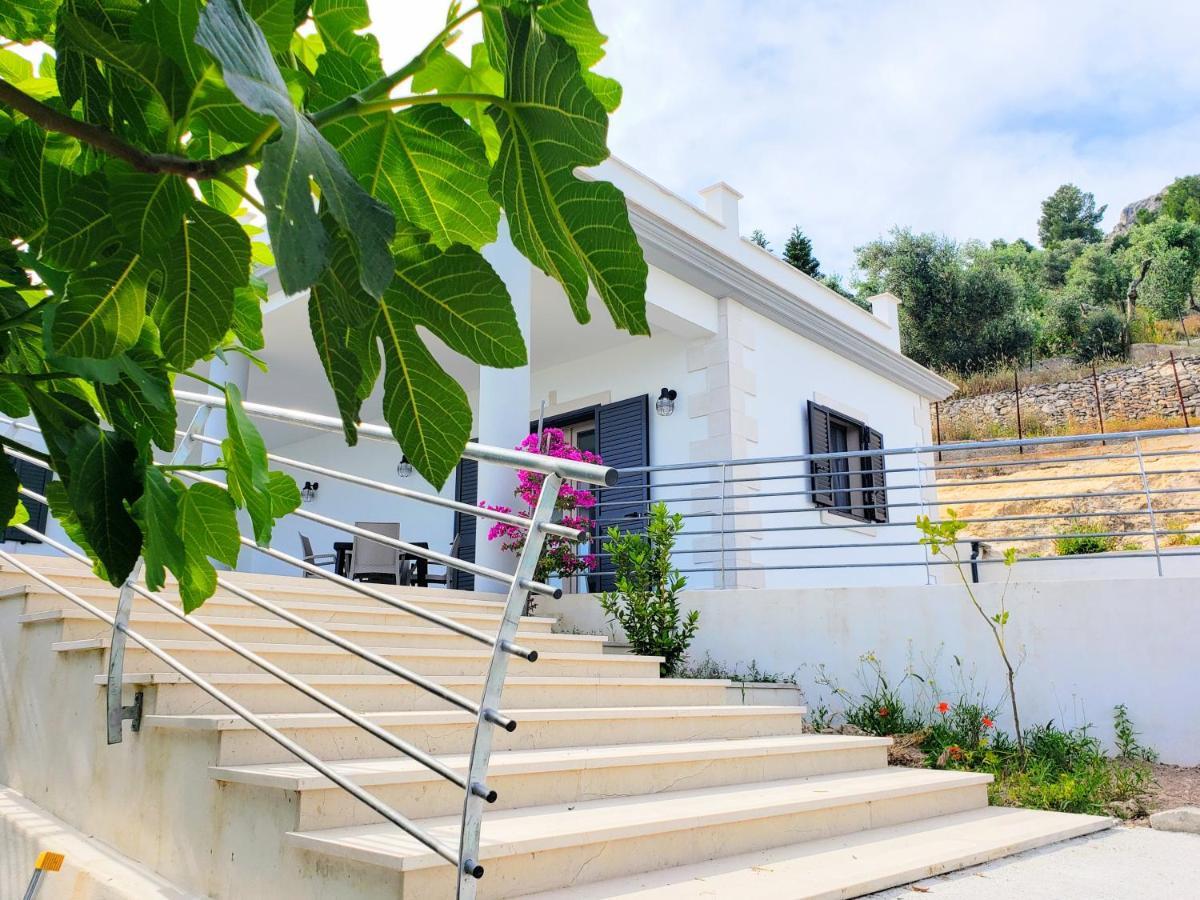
616, 783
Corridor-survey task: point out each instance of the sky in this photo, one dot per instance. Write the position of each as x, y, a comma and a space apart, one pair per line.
851, 117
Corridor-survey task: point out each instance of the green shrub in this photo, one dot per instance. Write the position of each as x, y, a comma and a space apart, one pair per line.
1082, 537
646, 600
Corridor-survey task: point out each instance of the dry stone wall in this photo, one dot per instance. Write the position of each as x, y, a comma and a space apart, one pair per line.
1130, 392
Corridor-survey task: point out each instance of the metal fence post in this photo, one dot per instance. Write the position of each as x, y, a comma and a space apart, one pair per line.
117, 712
1017, 392
1099, 405
937, 419
1137, 446
1179, 392
469, 867
721, 525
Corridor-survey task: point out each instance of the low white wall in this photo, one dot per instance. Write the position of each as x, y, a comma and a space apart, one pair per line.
1085, 646
1176, 563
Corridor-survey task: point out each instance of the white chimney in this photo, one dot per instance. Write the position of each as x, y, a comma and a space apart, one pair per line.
721, 202
886, 308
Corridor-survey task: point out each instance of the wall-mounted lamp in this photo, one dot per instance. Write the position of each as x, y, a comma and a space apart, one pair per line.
665, 404
308, 493
404, 467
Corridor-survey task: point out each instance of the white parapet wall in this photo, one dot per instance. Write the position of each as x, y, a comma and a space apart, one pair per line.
1084, 645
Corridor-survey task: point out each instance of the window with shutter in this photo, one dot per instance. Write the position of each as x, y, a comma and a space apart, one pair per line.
466, 488
850, 485
623, 441
35, 478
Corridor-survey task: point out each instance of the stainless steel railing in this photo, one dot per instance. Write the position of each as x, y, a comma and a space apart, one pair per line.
787, 521
488, 714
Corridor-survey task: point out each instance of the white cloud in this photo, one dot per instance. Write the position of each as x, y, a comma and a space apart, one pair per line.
849, 118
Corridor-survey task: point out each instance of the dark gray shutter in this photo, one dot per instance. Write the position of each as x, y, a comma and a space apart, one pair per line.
875, 476
623, 441
819, 442
466, 489
35, 478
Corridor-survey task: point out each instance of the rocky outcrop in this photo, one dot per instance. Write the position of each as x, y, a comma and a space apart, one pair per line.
1129, 214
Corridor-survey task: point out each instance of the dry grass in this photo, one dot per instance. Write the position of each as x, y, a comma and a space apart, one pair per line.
1033, 424
987, 490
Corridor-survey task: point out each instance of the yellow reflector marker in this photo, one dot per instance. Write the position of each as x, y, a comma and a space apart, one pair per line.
49, 861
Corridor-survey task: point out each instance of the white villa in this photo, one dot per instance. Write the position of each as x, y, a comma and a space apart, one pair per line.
324, 738
748, 344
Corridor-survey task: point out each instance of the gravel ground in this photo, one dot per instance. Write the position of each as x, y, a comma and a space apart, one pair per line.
1177, 786
1122, 863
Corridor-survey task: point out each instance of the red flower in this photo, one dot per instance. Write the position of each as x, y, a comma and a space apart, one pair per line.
955, 751
883, 711
988, 722
943, 707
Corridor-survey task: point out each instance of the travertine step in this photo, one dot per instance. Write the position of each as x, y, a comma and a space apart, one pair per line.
355, 609
852, 865
447, 731
70, 572
75, 625
375, 693
296, 590
547, 847
561, 775
299, 659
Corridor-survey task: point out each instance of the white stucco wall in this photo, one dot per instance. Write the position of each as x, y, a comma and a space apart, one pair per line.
1084, 647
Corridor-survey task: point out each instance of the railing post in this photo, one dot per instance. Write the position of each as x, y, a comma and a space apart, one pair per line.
721, 525
920, 472
117, 712
469, 868
1137, 446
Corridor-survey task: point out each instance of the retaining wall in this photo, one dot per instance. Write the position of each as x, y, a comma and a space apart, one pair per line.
1130, 392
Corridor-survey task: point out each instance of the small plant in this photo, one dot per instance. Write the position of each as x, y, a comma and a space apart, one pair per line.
713, 668
1128, 745
942, 540
646, 600
1181, 533
881, 709
1084, 537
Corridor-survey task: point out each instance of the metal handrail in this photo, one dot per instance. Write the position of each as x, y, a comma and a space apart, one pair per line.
729, 505
521, 584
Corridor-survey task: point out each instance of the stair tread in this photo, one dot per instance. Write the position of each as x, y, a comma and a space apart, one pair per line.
59, 566
98, 643
268, 620
323, 678
292, 605
850, 865
535, 829
230, 722
394, 770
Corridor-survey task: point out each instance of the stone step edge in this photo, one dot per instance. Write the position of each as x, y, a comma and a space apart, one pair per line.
546, 760
300, 721
326, 678
291, 605
659, 814
265, 647
300, 593
927, 847
271, 621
